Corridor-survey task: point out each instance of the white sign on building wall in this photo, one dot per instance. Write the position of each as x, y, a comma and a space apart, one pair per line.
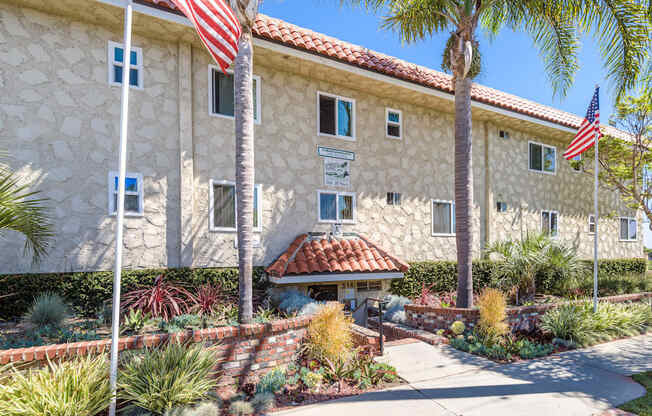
337, 172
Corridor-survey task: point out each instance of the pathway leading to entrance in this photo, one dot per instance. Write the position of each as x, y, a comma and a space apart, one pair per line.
444, 381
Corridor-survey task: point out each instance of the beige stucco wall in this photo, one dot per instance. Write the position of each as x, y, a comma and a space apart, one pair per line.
60, 117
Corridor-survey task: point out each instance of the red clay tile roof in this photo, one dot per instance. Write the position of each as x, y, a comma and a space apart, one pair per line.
287, 34
319, 254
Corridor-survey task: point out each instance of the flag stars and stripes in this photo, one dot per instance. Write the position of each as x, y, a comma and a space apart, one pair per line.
217, 27
589, 130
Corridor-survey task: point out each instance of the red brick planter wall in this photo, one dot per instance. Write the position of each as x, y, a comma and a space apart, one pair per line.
243, 350
519, 318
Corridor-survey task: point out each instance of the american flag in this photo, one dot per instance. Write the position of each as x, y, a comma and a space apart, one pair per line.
217, 27
585, 137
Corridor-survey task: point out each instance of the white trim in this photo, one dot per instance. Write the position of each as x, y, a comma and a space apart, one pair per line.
392, 123
334, 277
276, 47
211, 208
550, 212
450, 213
350, 138
337, 207
212, 68
111, 63
543, 146
113, 212
628, 240
592, 216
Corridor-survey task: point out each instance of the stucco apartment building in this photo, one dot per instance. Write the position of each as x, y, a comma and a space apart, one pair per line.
343, 135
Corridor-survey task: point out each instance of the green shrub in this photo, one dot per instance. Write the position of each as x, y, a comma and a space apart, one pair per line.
165, 378
241, 408
134, 321
262, 402
443, 275
580, 325
271, 382
48, 309
206, 408
85, 291
458, 327
78, 387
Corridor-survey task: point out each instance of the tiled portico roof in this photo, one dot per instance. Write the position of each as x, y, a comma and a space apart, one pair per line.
296, 37
320, 254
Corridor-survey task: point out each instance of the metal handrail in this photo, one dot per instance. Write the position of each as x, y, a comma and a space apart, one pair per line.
381, 341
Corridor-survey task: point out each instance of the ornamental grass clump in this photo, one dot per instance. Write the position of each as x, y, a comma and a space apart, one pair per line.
491, 325
329, 334
79, 387
48, 309
169, 377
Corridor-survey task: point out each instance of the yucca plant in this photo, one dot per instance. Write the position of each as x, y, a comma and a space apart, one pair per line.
73, 388
168, 377
48, 309
162, 300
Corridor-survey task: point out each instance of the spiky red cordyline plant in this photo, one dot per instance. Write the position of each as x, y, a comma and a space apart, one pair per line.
426, 297
206, 299
162, 300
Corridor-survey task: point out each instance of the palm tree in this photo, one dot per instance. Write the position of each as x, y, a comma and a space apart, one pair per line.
620, 27
21, 212
245, 11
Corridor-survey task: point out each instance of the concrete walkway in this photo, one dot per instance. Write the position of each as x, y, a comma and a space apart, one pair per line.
447, 382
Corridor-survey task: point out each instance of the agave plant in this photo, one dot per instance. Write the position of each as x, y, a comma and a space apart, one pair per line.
162, 300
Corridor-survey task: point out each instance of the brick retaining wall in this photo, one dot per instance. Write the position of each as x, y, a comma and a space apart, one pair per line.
519, 318
242, 350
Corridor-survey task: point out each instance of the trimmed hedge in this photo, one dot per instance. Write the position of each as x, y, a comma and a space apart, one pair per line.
85, 291
444, 275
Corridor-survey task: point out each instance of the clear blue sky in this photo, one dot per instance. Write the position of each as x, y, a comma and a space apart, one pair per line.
510, 62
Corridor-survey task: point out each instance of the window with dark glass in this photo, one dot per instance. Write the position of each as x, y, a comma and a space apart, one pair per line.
335, 116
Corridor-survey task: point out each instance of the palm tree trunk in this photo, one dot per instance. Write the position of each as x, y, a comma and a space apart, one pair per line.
244, 171
463, 191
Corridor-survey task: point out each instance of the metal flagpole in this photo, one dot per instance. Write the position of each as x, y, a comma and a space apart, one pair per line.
117, 271
595, 207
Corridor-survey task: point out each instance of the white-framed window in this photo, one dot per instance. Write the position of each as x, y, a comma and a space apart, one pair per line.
369, 285
628, 229
591, 224
393, 198
221, 94
550, 223
394, 123
335, 116
117, 61
576, 165
133, 193
336, 207
443, 217
223, 206
542, 158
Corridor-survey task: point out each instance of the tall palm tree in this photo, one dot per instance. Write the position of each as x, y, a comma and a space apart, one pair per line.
20, 211
245, 11
620, 27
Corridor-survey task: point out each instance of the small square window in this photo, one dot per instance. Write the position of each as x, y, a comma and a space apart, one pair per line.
116, 65
443, 218
542, 158
133, 194
223, 206
501, 206
503, 134
591, 224
394, 123
628, 229
336, 116
550, 223
221, 94
336, 207
393, 198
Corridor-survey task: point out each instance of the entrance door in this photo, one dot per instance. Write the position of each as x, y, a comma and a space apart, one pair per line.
324, 293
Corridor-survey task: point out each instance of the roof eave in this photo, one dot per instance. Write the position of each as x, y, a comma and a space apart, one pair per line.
334, 277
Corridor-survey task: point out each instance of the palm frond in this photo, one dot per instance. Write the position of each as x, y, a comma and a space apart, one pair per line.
416, 20
20, 211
